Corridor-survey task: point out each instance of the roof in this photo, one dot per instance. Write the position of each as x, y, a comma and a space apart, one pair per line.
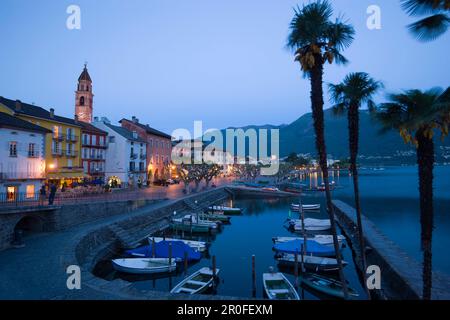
125, 133
13, 122
85, 75
149, 129
35, 111
91, 128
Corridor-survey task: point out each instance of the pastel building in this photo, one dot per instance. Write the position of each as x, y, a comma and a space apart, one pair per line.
159, 148
126, 156
22, 158
62, 146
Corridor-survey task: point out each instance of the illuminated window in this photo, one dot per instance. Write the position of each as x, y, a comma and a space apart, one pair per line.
13, 149
30, 191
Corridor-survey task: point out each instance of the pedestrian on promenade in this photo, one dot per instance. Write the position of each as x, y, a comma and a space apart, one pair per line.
42, 193
51, 197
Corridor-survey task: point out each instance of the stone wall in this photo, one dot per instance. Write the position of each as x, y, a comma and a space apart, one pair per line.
401, 275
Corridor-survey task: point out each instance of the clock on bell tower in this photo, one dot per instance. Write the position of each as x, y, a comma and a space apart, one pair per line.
84, 98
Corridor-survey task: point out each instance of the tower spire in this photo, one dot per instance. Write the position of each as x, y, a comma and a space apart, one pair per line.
84, 98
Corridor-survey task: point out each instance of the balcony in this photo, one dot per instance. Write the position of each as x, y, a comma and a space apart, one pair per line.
21, 175
58, 137
143, 156
71, 153
71, 138
93, 145
133, 156
57, 153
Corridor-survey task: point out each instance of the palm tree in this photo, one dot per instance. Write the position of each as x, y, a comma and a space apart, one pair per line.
433, 26
356, 90
317, 40
416, 115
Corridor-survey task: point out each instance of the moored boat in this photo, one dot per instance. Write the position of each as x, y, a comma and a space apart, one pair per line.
164, 249
326, 240
313, 263
198, 282
326, 285
305, 207
216, 217
188, 227
277, 287
224, 210
144, 265
200, 246
311, 248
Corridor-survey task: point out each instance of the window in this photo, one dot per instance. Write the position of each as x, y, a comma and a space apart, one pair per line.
112, 139
82, 101
32, 150
151, 143
30, 191
70, 163
85, 167
85, 139
13, 149
94, 140
132, 166
141, 166
102, 140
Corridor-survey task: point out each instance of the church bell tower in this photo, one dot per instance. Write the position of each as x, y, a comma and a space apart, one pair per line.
84, 98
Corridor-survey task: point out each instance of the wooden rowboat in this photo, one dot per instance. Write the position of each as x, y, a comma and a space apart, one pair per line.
277, 287
326, 285
144, 265
198, 282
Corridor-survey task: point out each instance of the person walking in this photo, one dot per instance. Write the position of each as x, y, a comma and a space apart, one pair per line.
42, 194
51, 197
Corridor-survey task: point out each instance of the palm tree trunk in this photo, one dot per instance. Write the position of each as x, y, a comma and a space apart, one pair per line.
353, 129
316, 75
425, 161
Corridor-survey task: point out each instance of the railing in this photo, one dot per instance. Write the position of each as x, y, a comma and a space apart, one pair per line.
89, 195
133, 156
57, 153
94, 145
58, 137
143, 156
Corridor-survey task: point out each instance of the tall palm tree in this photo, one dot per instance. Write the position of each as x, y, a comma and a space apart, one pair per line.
433, 26
416, 115
349, 96
316, 40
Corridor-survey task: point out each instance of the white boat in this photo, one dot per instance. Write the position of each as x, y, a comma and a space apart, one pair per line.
311, 262
310, 224
193, 218
299, 227
198, 282
224, 210
200, 246
306, 207
277, 287
322, 239
144, 265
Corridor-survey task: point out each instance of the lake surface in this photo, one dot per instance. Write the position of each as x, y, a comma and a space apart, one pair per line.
390, 198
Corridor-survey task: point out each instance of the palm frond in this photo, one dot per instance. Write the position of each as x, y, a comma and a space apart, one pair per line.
430, 28
421, 7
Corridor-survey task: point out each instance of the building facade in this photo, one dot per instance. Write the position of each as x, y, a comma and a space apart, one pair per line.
22, 158
159, 148
63, 145
93, 151
126, 156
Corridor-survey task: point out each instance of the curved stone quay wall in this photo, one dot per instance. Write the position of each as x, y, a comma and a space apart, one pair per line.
401, 275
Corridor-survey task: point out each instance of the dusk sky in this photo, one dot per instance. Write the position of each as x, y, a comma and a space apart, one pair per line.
172, 62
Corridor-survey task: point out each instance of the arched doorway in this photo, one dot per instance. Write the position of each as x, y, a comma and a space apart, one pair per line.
29, 225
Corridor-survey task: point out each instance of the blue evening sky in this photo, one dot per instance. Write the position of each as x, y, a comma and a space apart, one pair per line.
172, 62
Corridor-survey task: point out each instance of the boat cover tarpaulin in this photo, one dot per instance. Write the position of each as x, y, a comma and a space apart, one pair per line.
312, 248
162, 251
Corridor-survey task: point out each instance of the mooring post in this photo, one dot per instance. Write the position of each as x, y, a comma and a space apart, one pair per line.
170, 253
185, 262
253, 276
296, 269
153, 248
214, 270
